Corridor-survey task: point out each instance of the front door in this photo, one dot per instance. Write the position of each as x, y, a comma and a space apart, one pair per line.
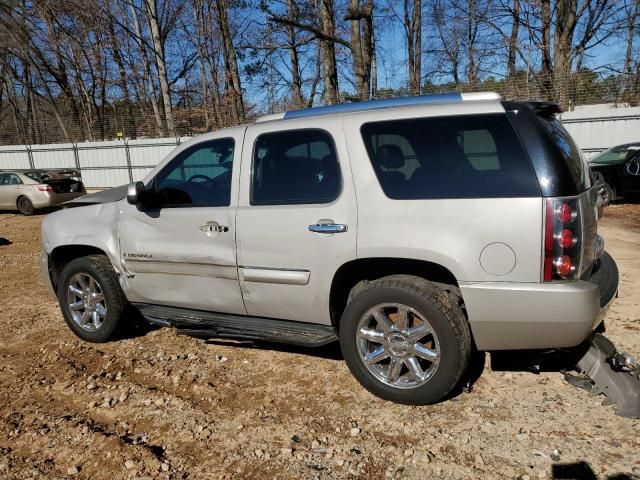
180, 250
296, 218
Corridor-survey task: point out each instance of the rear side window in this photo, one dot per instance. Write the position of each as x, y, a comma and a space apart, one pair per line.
10, 179
298, 166
477, 156
569, 151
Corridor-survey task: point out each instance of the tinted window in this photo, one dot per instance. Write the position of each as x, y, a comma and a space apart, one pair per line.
449, 157
199, 176
570, 153
10, 179
298, 166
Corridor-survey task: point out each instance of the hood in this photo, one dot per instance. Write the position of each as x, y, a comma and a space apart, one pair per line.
105, 196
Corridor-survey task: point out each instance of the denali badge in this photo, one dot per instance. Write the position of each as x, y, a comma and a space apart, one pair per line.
138, 255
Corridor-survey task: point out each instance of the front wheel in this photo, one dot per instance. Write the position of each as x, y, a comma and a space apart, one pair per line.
91, 300
405, 340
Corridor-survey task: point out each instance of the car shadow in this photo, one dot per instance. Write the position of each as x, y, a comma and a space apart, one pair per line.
331, 351
581, 471
5, 241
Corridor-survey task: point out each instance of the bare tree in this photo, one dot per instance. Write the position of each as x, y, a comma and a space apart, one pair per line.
234, 89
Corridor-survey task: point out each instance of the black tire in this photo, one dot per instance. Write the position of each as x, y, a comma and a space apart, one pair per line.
99, 267
25, 206
608, 194
441, 307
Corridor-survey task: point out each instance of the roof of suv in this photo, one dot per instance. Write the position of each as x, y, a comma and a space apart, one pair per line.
447, 98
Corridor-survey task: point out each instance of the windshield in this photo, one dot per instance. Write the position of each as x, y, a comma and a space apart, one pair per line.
613, 155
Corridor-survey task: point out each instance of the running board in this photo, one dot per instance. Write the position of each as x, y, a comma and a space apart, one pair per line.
209, 324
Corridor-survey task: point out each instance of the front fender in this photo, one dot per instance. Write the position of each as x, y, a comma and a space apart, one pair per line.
94, 226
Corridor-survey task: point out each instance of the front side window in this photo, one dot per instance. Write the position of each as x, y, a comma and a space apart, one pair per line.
464, 156
198, 177
298, 166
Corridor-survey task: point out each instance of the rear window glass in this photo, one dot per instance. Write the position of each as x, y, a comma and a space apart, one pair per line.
477, 156
569, 151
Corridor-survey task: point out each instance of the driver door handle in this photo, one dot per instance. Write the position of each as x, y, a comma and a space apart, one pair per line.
328, 228
213, 227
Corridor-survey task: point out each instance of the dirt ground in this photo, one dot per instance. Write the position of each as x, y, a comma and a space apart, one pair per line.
167, 406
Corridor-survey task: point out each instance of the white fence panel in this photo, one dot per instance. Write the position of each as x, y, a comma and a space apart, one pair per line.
149, 155
598, 128
14, 157
53, 156
105, 178
102, 154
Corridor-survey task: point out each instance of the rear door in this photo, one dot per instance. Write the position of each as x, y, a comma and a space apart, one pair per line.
296, 217
10, 185
182, 251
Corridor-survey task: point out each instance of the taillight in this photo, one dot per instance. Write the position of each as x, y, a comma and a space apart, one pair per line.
562, 239
45, 188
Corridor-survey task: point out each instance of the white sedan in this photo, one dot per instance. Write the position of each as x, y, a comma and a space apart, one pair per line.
29, 190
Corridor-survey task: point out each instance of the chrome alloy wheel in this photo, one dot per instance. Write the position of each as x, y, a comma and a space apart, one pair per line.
86, 302
397, 345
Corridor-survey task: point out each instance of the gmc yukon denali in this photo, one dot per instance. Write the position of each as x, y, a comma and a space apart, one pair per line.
415, 231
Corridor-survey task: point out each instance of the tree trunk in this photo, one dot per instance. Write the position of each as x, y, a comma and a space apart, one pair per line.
565, 24
361, 47
472, 69
513, 39
374, 65
545, 48
413, 34
328, 53
151, 89
296, 78
122, 79
234, 88
158, 49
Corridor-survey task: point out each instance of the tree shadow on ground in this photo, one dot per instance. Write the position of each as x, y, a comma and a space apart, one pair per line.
5, 241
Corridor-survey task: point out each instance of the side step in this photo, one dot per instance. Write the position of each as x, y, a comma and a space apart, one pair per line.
223, 325
604, 370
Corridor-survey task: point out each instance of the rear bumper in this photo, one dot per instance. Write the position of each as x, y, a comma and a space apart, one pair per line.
49, 199
517, 316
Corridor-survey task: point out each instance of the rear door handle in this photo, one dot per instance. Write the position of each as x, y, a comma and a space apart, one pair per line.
328, 228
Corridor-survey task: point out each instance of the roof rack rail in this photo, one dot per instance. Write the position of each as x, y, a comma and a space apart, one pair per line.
377, 104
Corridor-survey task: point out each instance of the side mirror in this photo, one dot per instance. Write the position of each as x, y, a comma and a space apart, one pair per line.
135, 193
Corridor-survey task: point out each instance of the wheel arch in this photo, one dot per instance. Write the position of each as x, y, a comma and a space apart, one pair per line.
351, 273
63, 254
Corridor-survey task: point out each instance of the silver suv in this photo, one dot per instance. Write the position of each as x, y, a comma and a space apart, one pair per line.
414, 230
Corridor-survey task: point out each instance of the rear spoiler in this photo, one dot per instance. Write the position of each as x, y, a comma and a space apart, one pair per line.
545, 109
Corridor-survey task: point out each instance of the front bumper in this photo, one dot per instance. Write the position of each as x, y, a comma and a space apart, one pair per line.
518, 316
45, 275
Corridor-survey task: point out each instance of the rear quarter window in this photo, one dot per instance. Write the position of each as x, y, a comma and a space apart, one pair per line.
569, 152
477, 156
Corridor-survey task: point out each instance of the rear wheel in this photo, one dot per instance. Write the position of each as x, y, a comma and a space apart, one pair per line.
25, 206
91, 299
405, 339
